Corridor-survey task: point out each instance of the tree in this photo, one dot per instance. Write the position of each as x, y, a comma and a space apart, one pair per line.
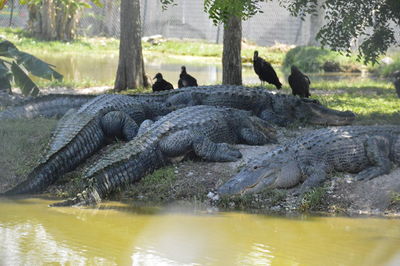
231, 54
130, 73
373, 22
230, 13
54, 19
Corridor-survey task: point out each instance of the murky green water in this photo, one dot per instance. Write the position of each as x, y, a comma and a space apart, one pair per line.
102, 68
118, 234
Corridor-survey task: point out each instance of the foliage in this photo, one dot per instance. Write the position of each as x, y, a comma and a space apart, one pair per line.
56, 19
313, 199
220, 11
394, 197
372, 21
312, 59
386, 70
18, 68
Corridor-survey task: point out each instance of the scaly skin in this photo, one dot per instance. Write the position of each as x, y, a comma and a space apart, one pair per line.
204, 130
277, 108
366, 150
81, 133
52, 105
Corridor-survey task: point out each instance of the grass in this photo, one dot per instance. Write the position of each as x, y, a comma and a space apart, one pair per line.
22, 143
374, 102
313, 200
111, 45
263, 199
384, 70
155, 187
311, 59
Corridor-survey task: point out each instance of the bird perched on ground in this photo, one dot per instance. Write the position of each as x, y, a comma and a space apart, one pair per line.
265, 71
299, 83
186, 80
396, 82
161, 84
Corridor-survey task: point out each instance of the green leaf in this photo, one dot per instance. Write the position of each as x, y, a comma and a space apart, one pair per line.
37, 67
27, 86
5, 76
7, 49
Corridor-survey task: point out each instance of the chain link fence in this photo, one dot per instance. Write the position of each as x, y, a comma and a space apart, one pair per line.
186, 20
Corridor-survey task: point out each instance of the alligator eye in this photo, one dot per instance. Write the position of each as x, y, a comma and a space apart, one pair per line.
255, 167
168, 104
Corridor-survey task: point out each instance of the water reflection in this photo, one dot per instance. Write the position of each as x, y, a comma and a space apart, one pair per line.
102, 68
115, 233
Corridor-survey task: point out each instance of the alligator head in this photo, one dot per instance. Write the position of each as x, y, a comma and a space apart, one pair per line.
310, 111
320, 115
277, 171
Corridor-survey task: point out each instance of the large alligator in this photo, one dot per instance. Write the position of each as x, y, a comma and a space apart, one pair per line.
278, 108
81, 133
365, 150
203, 130
51, 105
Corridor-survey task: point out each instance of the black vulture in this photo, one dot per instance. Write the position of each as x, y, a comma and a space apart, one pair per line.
265, 71
299, 83
396, 82
161, 84
186, 80
397, 86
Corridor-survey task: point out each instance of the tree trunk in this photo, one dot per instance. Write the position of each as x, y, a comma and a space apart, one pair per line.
231, 56
52, 20
130, 73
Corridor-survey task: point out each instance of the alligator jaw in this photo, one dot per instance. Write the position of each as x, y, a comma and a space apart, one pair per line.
248, 180
321, 115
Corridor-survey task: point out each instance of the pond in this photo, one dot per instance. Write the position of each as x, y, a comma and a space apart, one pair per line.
102, 68
118, 234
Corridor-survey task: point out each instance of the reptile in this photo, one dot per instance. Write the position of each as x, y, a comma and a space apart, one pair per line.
205, 131
81, 133
277, 108
51, 105
280, 109
367, 151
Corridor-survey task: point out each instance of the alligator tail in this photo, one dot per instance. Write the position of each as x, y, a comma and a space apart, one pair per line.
67, 159
106, 180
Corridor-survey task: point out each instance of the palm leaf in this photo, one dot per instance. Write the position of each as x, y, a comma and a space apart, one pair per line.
7, 49
27, 86
5, 76
36, 66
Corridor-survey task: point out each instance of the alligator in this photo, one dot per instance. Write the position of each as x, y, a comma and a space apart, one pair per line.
365, 150
205, 131
81, 133
276, 108
51, 105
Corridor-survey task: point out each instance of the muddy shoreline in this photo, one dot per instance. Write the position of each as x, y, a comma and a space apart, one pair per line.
194, 182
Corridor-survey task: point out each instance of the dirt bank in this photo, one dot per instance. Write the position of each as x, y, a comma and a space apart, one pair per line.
196, 181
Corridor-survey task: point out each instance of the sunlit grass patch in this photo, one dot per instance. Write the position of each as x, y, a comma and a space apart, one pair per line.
370, 109
22, 143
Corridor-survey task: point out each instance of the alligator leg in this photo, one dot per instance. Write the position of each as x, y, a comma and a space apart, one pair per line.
119, 124
377, 149
272, 117
144, 126
316, 175
253, 137
184, 141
